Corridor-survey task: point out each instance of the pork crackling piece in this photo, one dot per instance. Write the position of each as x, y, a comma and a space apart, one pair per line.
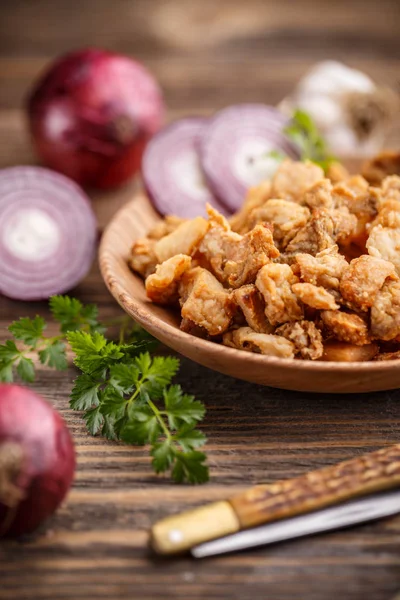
315, 296
344, 352
247, 339
319, 195
183, 240
324, 269
385, 312
255, 250
286, 217
162, 286
384, 243
256, 197
337, 172
293, 179
323, 230
354, 193
315, 236
391, 188
165, 227
360, 200
236, 259
362, 280
388, 215
205, 302
275, 284
378, 168
252, 304
305, 336
143, 259
346, 327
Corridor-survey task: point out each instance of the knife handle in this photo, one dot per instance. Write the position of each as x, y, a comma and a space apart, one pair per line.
359, 476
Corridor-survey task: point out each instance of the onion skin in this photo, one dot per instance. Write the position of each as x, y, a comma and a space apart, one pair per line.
44, 475
92, 114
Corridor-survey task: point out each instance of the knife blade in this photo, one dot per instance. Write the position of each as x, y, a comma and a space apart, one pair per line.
336, 517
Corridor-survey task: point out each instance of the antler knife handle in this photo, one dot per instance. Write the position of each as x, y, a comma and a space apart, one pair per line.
334, 484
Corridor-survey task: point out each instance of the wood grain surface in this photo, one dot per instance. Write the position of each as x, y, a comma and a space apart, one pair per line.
206, 54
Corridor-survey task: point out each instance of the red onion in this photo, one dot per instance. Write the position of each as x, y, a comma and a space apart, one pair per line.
47, 233
172, 173
37, 460
92, 114
235, 149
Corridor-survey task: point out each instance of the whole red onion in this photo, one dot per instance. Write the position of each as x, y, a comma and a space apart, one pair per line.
92, 114
37, 460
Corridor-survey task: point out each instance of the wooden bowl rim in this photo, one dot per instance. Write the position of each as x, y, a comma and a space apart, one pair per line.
107, 258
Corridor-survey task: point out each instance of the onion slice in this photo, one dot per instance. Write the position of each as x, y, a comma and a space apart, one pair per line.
172, 173
47, 233
236, 149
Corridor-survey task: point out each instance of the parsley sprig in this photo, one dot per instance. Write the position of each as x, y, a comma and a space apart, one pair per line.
305, 134
125, 393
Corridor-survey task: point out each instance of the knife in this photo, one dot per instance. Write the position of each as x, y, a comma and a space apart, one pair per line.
281, 501
337, 517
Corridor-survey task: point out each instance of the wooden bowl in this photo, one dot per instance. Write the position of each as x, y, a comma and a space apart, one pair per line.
132, 222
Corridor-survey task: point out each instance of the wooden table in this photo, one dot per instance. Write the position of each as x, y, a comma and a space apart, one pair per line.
206, 54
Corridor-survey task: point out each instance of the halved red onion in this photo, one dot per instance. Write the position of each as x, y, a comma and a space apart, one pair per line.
236, 147
47, 233
172, 173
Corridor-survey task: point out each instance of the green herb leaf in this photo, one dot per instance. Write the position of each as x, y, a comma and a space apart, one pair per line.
94, 420
123, 377
304, 133
29, 331
6, 372
190, 467
54, 355
26, 370
190, 438
92, 351
9, 353
85, 393
156, 373
182, 408
73, 315
163, 456
144, 428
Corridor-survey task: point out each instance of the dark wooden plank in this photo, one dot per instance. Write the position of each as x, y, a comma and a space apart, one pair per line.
206, 55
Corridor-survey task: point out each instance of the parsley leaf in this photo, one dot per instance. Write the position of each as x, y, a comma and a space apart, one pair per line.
85, 393
29, 331
26, 370
9, 353
190, 438
189, 466
54, 355
142, 428
92, 351
73, 315
163, 456
182, 408
305, 134
94, 420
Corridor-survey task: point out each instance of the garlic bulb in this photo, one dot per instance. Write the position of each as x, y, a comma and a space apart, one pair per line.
351, 112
